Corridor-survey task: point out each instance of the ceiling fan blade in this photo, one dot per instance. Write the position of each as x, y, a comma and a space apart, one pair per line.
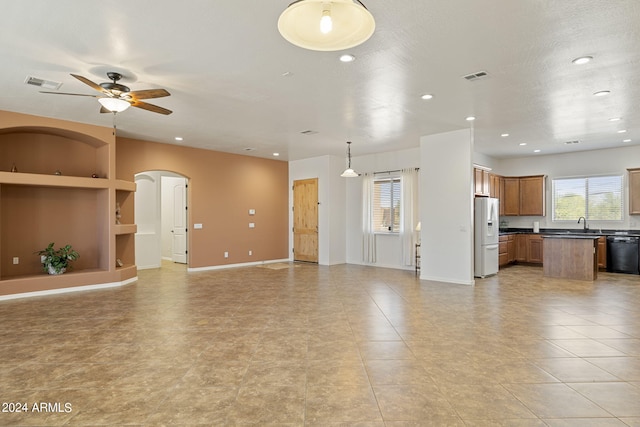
150, 107
148, 93
66, 93
91, 84
104, 110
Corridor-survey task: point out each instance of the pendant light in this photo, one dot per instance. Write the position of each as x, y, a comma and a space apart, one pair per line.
326, 25
348, 172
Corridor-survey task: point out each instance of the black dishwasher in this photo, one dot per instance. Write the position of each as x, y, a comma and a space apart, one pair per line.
622, 254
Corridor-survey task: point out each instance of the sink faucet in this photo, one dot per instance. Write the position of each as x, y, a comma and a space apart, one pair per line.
586, 227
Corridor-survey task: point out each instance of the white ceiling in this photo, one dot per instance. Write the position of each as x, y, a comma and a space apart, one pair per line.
235, 83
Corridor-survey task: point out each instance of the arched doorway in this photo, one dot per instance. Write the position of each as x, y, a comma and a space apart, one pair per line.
161, 217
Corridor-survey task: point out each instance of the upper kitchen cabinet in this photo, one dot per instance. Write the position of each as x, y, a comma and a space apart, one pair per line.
511, 199
532, 192
634, 191
481, 182
524, 196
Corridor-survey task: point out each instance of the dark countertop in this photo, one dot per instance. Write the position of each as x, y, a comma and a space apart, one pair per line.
571, 236
570, 232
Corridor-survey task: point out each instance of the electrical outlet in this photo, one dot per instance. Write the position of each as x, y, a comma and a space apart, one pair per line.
226, 254
250, 253
252, 225
16, 260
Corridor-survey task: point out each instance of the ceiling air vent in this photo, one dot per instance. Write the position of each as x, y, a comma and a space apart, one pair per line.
45, 84
475, 76
572, 142
309, 132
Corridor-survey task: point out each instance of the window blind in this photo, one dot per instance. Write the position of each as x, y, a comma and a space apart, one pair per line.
597, 198
386, 205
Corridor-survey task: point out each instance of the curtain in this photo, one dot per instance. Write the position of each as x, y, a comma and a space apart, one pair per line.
409, 212
368, 236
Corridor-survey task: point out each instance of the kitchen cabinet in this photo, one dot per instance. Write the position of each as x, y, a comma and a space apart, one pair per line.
501, 195
534, 249
507, 250
527, 248
532, 196
511, 248
511, 200
494, 185
481, 182
602, 252
634, 191
503, 253
522, 241
524, 196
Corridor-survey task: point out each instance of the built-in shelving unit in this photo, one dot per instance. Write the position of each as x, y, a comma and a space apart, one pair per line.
57, 184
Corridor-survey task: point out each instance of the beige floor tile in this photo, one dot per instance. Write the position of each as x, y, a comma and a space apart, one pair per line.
587, 348
620, 399
269, 404
485, 402
423, 403
396, 372
385, 350
556, 401
624, 368
586, 422
575, 370
347, 404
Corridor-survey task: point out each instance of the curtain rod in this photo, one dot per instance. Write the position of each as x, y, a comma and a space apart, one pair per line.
397, 170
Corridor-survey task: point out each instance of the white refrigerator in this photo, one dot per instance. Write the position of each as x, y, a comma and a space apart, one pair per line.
486, 236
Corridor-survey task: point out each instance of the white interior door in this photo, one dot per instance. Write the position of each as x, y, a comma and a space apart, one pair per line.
147, 218
179, 228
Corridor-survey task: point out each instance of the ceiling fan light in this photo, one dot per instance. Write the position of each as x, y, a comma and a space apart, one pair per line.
115, 105
304, 22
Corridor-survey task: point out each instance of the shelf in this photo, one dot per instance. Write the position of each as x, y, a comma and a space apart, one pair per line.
41, 180
125, 185
121, 229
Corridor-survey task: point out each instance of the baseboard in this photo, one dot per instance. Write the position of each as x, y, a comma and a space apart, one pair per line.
244, 264
69, 290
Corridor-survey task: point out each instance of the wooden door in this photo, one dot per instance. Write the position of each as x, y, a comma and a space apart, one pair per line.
522, 243
535, 249
305, 220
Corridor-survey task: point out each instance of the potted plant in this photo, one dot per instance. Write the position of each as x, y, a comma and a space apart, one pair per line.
56, 261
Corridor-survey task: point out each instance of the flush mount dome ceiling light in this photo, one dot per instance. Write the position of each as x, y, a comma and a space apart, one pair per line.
326, 25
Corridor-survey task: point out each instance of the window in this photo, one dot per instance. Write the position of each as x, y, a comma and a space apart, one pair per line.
597, 198
386, 205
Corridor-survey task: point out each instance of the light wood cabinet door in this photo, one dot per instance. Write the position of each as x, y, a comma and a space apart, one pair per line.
481, 182
511, 200
511, 249
602, 252
494, 186
532, 195
501, 195
522, 243
535, 249
634, 191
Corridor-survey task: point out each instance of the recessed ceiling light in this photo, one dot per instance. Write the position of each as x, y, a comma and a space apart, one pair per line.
523, 143
536, 151
582, 60
602, 93
622, 131
470, 118
287, 74
347, 58
179, 138
615, 119
427, 96
276, 154
626, 140
504, 135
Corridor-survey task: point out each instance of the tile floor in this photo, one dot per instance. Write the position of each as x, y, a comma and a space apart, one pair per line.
325, 346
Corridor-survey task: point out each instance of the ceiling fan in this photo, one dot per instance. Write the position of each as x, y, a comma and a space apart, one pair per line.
117, 97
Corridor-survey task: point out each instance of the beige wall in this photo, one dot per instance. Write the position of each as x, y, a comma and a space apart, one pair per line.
222, 189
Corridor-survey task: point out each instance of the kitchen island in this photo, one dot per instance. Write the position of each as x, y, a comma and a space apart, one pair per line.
570, 256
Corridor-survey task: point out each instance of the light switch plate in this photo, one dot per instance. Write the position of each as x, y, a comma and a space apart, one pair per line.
252, 225
252, 211
197, 226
